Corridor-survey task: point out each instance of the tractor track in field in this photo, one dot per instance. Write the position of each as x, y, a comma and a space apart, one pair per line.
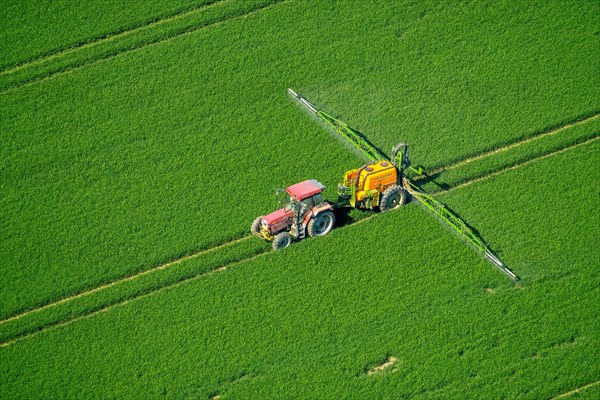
124, 279
517, 143
576, 390
227, 265
106, 308
105, 37
160, 40
519, 165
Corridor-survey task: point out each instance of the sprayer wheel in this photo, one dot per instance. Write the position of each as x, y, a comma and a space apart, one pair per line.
393, 197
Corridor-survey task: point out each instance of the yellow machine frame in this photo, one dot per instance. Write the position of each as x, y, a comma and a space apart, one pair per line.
373, 179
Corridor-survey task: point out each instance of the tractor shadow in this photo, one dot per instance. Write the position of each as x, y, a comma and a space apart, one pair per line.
345, 216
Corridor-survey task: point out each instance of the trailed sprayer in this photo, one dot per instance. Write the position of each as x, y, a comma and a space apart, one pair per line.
379, 184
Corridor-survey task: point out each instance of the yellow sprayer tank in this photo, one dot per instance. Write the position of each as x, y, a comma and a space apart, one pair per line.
374, 179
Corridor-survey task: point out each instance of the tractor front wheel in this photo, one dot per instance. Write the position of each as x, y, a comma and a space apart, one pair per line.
255, 227
321, 224
393, 197
282, 240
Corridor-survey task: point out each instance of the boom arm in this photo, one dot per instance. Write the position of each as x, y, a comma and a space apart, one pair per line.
343, 129
437, 207
460, 226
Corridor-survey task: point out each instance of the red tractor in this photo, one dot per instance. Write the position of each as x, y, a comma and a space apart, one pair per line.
303, 213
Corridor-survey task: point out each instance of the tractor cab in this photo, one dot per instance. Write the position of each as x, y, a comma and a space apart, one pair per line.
304, 196
303, 211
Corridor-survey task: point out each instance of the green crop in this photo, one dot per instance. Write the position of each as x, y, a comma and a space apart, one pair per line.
129, 40
32, 29
114, 293
162, 131
512, 155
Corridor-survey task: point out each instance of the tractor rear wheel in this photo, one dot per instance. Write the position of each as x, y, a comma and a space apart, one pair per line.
393, 197
321, 224
255, 227
282, 240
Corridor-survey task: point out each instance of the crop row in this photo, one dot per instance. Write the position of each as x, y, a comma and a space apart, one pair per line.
158, 32
33, 30
517, 143
127, 164
519, 165
307, 322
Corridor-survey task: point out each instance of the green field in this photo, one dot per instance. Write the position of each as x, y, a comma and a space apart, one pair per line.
139, 143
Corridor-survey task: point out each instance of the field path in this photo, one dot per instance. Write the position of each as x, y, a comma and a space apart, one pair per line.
523, 164
577, 390
107, 38
124, 302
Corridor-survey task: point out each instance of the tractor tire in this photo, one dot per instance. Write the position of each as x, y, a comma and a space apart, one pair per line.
322, 224
393, 197
282, 240
255, 227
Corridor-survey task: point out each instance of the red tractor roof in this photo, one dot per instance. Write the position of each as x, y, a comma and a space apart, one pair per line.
305, 189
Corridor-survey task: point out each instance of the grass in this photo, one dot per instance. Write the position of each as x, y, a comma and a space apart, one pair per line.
124, 154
